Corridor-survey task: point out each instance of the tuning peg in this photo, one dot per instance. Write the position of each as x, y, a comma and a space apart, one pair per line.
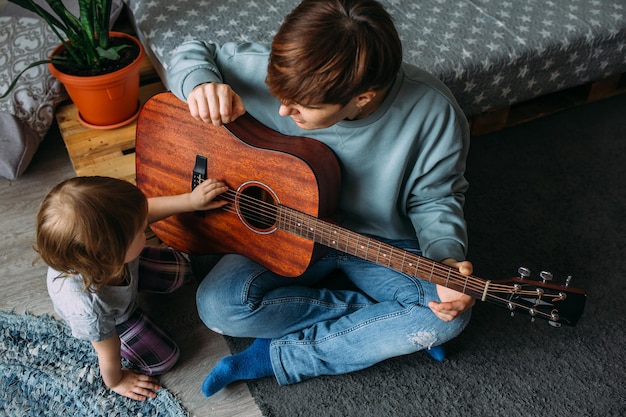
545, 276
568, 280
523, 272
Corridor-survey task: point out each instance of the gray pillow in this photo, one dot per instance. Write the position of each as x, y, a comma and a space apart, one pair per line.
28, 112
18, 143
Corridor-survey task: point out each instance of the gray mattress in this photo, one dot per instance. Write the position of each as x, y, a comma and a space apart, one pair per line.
491, 53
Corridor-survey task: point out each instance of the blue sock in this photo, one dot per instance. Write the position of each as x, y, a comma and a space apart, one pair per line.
252, 363
437, 352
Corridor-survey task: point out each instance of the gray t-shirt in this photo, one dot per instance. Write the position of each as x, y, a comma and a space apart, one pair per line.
93, 316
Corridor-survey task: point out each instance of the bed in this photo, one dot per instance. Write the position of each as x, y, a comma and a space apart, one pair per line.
491, 53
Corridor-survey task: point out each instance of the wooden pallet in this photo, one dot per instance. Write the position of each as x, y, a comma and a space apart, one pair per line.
498, 119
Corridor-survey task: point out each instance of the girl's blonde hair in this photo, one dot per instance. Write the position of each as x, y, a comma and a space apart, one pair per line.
85, 226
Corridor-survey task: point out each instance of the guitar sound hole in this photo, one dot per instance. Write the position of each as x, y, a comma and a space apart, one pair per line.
257, 207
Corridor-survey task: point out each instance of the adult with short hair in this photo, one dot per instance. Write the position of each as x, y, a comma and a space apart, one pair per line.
334, 73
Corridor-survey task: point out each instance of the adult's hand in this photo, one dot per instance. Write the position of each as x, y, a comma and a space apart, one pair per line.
453, 303
215, 103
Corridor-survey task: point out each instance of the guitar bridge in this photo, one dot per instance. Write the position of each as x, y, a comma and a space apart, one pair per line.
199, 175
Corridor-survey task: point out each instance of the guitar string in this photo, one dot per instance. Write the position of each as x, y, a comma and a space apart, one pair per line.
440, 271
269, 211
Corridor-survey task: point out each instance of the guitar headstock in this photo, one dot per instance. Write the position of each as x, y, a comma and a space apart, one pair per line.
559, 304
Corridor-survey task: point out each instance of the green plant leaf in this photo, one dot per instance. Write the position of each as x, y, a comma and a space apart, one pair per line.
109, 53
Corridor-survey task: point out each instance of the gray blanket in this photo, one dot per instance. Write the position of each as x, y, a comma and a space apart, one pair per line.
491, 54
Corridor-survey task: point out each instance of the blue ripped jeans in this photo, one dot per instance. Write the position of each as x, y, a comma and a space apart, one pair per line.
318, 331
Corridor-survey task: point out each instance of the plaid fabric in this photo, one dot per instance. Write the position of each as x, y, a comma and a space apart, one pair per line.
146, 346
163, 270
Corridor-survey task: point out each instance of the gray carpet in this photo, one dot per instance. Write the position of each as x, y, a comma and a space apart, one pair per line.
548, 195
44, 371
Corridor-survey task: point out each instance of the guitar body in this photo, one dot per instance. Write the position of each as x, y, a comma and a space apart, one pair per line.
250, 158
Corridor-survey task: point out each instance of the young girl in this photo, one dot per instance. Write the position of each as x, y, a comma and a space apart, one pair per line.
90, 231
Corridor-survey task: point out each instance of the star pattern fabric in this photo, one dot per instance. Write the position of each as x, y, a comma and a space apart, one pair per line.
490, 53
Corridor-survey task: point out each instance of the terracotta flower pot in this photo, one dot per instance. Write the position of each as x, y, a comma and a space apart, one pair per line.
104, 101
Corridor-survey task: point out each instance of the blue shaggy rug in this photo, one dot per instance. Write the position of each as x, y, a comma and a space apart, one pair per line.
44, 371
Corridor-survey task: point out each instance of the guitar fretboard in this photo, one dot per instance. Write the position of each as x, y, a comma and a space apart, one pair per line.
373, 250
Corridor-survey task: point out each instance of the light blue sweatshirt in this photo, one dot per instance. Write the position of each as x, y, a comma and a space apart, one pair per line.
402, 166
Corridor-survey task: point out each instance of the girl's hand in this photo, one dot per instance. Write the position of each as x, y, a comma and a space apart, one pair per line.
202, 197
136, 386
453, 303
215, 103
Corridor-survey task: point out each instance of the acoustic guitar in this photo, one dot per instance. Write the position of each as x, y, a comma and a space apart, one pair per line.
283, 193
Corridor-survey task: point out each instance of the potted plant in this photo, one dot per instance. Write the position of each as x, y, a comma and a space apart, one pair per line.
99, 68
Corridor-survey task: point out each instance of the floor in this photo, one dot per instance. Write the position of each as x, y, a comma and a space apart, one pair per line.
23, 289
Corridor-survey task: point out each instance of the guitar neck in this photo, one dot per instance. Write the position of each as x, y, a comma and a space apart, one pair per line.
347, 241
